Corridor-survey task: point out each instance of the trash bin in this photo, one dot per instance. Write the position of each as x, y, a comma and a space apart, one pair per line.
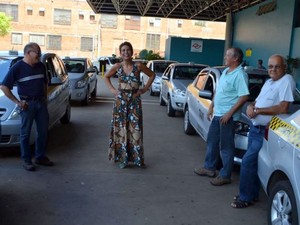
102, 67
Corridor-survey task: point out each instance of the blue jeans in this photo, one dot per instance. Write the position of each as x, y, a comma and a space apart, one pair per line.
220, 138
37, 111
249, 181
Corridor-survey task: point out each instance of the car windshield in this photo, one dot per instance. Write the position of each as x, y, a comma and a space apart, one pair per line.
160, 67
186, 72
74, 66
5, 64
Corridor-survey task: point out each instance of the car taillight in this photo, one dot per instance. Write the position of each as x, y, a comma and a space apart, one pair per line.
242, 128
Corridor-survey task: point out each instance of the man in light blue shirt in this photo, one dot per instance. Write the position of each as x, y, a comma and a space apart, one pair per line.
231, 93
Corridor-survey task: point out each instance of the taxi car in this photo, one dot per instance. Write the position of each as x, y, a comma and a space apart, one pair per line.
199, 95
58, 98
175, 79
279, 169
82, 77
158, 66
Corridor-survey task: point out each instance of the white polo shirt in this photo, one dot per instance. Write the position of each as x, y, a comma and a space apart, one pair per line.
272, 93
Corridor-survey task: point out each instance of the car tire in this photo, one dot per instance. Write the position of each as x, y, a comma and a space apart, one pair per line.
85, 101
161, 101
151, 92
282, 204
170, 111
187, 126
67, 116
94, 92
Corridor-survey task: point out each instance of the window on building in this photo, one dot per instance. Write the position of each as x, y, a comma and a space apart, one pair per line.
154, 22
92, 17
109, 21
42, 12
62, 16
179, 23
132, 22
86, 44
29, 11
54, 42
17, 38
10, 10
153, 42
81, 15
39, 39
200, 23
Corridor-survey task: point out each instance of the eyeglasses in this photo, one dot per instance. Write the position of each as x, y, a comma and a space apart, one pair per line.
276, 67
36, 52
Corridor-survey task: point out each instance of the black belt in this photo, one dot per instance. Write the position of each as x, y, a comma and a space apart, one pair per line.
31, 98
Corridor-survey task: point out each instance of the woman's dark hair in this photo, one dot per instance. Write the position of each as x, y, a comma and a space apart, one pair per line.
126, 43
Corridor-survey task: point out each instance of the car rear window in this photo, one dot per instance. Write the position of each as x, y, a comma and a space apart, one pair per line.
186, 72
256, 81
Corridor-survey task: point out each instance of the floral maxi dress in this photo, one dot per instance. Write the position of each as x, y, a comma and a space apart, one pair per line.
126, 137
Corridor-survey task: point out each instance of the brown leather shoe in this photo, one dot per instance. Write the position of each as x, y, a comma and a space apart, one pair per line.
205, 172
219, 181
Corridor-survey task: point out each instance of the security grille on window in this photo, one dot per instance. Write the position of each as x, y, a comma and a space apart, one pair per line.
54, 42
109, 21
153, 41
62, 16
17, 38
10, 10
39, 39
86, 44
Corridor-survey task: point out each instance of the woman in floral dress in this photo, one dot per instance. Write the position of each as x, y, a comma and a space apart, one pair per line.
126, 137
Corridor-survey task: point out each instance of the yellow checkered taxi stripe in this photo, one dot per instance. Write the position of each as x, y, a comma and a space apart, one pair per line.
286, 131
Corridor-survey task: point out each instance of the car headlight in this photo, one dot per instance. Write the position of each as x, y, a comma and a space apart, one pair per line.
81, 83
179, 92
15, 115
242, 128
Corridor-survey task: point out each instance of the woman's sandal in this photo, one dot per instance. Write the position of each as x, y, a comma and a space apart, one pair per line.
239, 204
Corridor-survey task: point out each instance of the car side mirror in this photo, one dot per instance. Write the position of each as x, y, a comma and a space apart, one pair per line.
205, 94
91, 70
164, 78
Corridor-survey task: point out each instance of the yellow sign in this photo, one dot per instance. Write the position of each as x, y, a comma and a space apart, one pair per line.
248, 52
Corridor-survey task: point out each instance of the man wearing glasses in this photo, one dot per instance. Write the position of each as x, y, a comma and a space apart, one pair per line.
30, 76
274, 98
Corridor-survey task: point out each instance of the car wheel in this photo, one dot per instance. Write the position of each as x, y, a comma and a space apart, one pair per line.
67, 116
85, 101
282, 207
151, 92
170, 110
161, 101
94, 92
188, 128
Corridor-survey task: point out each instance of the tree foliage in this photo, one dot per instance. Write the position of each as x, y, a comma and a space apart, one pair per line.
149, 55
5, 26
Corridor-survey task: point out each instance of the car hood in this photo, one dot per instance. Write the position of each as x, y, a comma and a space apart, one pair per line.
158, 74
76, 76
7, 106
181, 84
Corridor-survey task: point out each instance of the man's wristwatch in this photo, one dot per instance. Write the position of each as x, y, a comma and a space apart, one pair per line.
255, 110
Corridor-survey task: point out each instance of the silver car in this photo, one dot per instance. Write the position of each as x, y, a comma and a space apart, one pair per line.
83, 79
199, 95
58, 99
175, 79
279, 169
158, 67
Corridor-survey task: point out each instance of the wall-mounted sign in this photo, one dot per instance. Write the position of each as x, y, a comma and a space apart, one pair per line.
196, 45
248, 52
266, 8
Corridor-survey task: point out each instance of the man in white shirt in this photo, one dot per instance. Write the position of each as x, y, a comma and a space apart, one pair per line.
274, 98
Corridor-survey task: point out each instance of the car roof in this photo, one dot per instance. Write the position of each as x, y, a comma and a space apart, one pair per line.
74, 58
189, 64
